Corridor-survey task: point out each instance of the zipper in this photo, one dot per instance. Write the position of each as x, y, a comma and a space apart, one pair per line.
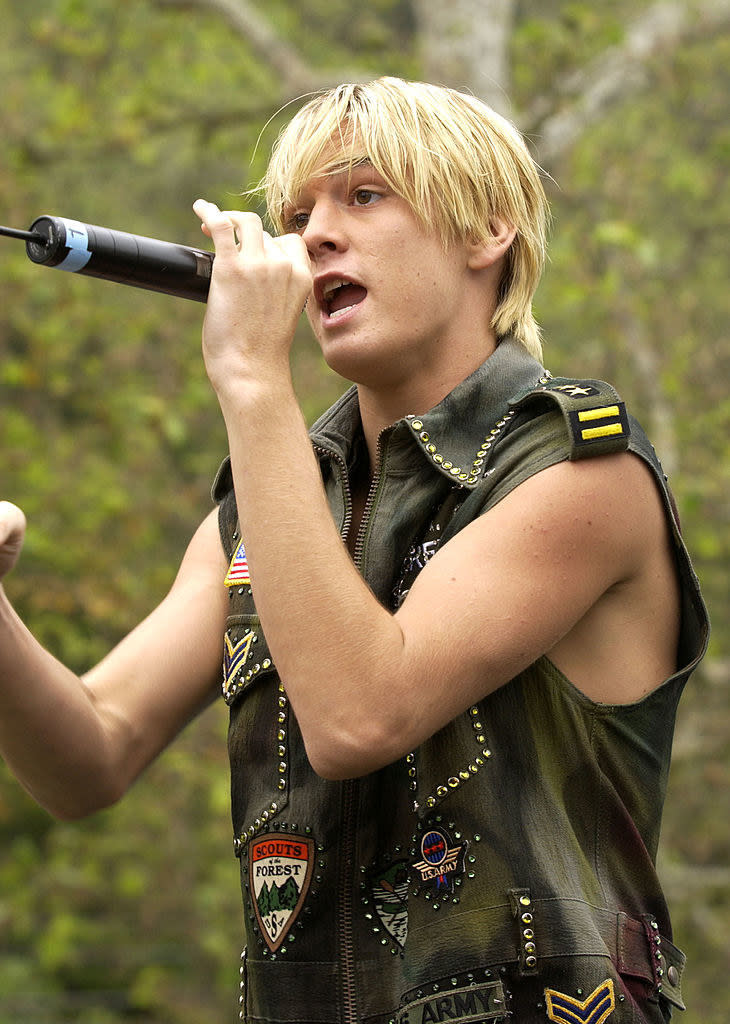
347, 493
361, 538
345, 951
350, 787
344, 901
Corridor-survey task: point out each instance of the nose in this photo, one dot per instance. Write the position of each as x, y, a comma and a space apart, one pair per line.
324, 229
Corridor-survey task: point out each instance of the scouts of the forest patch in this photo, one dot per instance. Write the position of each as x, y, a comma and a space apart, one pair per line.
280, 871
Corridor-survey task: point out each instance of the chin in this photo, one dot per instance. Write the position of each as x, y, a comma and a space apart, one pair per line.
363, 363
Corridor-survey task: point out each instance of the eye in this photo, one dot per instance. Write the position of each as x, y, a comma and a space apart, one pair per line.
365, 197
298, 221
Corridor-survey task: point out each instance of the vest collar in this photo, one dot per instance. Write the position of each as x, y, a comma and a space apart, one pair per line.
455, 435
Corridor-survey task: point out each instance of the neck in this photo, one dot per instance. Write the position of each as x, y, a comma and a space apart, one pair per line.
382, 406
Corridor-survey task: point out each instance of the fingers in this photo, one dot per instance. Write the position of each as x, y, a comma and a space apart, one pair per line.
217, 225
233, 231
294, 247
241, 231
240, 235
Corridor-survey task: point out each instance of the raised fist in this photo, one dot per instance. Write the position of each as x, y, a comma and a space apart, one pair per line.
12, 535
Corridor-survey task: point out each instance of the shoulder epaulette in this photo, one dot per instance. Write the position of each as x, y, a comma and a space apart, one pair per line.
595, 416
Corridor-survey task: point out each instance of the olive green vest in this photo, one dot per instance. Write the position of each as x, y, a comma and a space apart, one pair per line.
504, 870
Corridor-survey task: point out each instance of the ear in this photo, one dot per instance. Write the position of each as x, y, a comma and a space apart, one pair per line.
486, 252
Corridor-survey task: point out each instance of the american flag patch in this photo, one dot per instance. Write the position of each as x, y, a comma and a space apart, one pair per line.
238, 574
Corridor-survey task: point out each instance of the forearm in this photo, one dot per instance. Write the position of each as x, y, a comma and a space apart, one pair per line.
335, 646
51, 735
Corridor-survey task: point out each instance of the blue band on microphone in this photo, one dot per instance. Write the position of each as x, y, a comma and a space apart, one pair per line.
77, 241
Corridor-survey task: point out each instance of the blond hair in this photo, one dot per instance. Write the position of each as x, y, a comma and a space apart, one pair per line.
457, 163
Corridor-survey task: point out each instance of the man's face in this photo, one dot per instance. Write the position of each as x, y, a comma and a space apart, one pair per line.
388, 297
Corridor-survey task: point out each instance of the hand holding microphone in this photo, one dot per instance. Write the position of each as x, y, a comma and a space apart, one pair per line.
259, 287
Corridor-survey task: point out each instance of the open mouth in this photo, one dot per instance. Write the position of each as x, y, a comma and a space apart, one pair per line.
340, 296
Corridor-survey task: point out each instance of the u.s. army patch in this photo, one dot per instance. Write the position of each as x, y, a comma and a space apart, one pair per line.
441, 862
596, 1009
280, 871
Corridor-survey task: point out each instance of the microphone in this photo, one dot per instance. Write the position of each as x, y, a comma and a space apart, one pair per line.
135, 260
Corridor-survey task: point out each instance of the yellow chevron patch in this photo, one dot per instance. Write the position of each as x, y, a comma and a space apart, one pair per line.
596, 1009
235, 657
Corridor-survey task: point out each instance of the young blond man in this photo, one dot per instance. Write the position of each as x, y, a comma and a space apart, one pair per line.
456, 615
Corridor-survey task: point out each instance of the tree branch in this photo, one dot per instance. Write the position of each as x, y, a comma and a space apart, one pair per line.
294, 73
465, 44
556, 123
466, 51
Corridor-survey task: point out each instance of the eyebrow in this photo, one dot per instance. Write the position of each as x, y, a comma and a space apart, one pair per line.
345, 170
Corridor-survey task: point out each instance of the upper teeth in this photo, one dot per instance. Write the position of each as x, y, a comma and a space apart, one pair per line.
332, 286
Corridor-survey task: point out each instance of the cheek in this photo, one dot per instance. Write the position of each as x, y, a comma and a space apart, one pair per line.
430, 271
429, 293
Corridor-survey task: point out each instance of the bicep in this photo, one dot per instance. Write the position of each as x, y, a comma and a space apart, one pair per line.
166, 670
509, 586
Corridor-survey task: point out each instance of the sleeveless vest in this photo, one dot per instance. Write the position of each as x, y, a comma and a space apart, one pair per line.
504, 870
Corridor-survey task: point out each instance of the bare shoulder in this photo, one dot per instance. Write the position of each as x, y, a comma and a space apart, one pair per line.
625, 644
575, 564
602, 515
612, 510
611, 501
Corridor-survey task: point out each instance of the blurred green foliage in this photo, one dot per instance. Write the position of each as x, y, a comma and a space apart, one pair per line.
123, 114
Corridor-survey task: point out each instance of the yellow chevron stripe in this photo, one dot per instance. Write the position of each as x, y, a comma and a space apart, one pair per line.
606, 431
598, 414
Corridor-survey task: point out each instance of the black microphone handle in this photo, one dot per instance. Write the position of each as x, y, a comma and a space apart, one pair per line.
118, 256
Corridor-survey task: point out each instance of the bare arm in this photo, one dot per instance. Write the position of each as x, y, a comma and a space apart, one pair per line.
77, 744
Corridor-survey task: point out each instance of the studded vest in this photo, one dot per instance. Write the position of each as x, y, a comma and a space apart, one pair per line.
504, 870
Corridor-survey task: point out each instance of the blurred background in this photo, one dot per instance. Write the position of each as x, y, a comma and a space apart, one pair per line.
122, 114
